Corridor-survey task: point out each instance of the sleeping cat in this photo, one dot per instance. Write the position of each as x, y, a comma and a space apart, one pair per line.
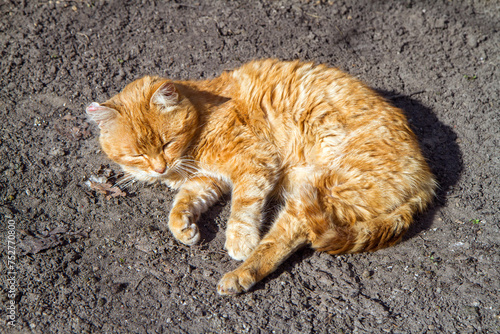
341, 158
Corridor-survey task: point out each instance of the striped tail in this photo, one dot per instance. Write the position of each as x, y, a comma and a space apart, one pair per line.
380, 232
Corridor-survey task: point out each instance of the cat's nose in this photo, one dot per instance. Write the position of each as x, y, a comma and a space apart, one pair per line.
160, 170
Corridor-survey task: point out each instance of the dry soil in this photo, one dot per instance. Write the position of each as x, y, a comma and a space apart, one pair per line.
91, 263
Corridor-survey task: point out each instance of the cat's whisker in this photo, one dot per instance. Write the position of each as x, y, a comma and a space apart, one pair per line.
124, 180
177, 168
190, 169
187, 160
182, 173
184, 159
188, 166
128, 184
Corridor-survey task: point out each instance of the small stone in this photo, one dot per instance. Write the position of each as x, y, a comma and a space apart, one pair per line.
56, 152
366, 274
472, 41
440, 23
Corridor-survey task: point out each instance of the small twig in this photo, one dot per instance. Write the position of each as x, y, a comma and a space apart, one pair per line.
82, 34
315, 16
140, 281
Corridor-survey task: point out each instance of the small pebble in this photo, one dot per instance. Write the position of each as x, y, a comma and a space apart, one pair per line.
472, 41
56, 152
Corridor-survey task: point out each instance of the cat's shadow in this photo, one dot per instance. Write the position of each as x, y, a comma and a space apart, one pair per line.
207, 222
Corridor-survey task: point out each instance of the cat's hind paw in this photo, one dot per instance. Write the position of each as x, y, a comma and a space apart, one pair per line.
240, 243
184, 228
235, 282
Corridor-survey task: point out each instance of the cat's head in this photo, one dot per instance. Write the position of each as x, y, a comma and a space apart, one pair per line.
146, 128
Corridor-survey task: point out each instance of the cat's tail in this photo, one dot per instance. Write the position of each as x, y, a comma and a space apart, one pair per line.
380, 232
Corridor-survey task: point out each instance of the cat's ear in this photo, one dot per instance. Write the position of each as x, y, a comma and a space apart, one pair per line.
100, 114
166, 95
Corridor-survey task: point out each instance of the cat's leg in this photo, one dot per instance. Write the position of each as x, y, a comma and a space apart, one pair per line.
243, 227
285, 236
194, 197
294, 228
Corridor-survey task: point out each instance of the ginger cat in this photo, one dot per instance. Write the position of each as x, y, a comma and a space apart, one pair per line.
343, 159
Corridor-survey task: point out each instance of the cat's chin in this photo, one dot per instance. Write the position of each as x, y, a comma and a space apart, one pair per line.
144, 176
153, 177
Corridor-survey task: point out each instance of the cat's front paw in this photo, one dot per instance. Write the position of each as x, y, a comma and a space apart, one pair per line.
240, 242
183, 227
235, 282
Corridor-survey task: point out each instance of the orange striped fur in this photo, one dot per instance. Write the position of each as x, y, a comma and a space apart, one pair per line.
342, 158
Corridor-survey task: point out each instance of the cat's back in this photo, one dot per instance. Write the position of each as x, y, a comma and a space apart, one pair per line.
319, 115
295, 88
283, 79
294, 97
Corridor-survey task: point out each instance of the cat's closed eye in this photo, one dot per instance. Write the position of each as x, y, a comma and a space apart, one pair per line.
167, 145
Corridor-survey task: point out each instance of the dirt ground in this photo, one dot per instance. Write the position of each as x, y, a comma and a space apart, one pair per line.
87, 262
